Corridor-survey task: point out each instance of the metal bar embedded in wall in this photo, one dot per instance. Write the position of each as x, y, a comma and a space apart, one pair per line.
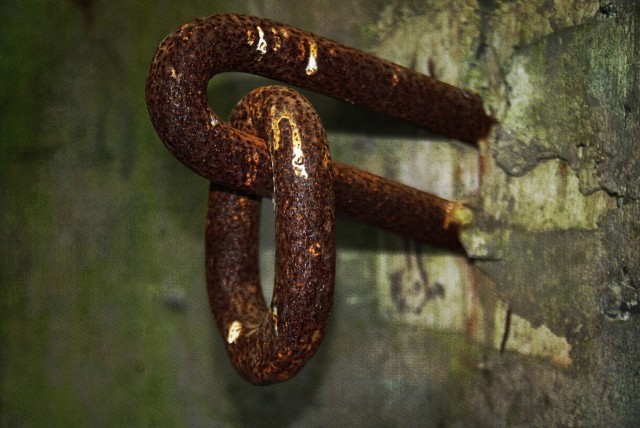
275, 147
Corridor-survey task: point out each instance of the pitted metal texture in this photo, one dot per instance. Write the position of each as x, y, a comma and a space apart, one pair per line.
275, 147
178, 106
271, 345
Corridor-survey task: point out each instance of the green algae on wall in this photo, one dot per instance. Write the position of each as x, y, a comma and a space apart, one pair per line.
87, 332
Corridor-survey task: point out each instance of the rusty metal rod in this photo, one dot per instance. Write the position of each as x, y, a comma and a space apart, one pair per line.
268, 345
177, 102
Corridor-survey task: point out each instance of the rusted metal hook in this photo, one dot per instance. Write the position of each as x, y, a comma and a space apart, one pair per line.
271, 345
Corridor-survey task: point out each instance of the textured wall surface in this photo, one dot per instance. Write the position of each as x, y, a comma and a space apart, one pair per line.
103, 311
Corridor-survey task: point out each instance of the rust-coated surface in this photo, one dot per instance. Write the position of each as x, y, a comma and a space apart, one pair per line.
275, 146
179, 110
271, 345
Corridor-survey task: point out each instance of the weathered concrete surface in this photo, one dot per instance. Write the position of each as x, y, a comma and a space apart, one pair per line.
557, 204
561, 177
103, 308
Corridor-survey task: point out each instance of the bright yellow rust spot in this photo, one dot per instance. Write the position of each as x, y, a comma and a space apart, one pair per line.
277, 41
297, 160
457, 214
275, 128
314, 249
312, 65
234, 331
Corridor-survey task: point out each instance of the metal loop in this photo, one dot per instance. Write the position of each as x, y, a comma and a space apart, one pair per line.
267, 346
271, 345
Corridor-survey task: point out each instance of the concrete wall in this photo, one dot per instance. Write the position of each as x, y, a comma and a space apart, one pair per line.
104, 319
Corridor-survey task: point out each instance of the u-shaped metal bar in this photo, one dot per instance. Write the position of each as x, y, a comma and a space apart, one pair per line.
180, 112
242, 161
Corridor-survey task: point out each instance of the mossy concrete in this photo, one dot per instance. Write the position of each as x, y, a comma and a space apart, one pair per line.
558, 178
